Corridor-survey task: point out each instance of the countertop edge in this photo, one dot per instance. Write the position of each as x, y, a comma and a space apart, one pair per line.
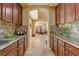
11, 42
65, 41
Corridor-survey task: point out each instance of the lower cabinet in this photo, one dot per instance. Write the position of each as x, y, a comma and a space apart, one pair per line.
21, 46
21, 49
13, 52
55, 46
26, 43
52, 43
71, 50
9, 50
68, 53
62, 48
15, 49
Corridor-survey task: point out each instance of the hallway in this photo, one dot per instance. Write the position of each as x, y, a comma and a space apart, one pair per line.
38, 46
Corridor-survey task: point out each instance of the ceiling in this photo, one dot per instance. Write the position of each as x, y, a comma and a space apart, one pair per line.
45, 4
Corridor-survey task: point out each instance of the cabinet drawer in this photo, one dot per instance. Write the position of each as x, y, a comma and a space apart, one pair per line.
21, 40
68, 53
60, 42
13, 52
55, 39
72, 49
8, 49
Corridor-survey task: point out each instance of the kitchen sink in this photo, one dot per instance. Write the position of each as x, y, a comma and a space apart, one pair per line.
4, 41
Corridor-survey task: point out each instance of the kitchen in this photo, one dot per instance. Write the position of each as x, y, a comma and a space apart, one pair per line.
62, 21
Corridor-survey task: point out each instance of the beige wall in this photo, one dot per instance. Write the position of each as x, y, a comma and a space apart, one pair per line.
41, 14
52, 16
25, 16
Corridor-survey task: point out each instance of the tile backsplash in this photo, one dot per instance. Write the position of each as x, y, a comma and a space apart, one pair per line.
7, 26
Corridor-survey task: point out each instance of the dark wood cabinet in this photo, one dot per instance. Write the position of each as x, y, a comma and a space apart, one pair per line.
20, 15
0, 11
8, 50
55, 46
3, 11
21, 46
66, 12
15, 49
77, 11
15, 13
68, 53
8, 12
71, 50
26, 43
11, 12
61, 49
69, 12
21, 49
61, 13
57, 15
13, 52
52, 43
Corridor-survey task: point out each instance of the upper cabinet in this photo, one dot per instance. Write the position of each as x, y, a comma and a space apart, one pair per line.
15, 13
20, 14
3, 11
57, 15
11, 12
69, 12
0, 10
61, 6
77, 11
8, 12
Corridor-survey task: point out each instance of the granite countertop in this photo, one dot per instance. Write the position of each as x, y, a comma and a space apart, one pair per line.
74, 41
16, 38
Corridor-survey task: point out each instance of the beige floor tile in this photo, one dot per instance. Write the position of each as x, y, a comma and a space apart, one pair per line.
38, 46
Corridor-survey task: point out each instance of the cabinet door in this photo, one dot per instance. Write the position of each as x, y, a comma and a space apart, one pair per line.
60, 50
55, 46
26, 43
3, 11
0, 10
21, 49
9, 12
57, 15
61, 12
13, 52
20, 14
52, 43
77, 11
69, 12
15, 13
7, 50
68, 53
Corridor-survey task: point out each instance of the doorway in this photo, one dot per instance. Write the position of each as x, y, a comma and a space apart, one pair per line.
39, 30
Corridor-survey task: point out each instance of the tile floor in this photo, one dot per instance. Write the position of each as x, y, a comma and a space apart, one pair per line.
38, 46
